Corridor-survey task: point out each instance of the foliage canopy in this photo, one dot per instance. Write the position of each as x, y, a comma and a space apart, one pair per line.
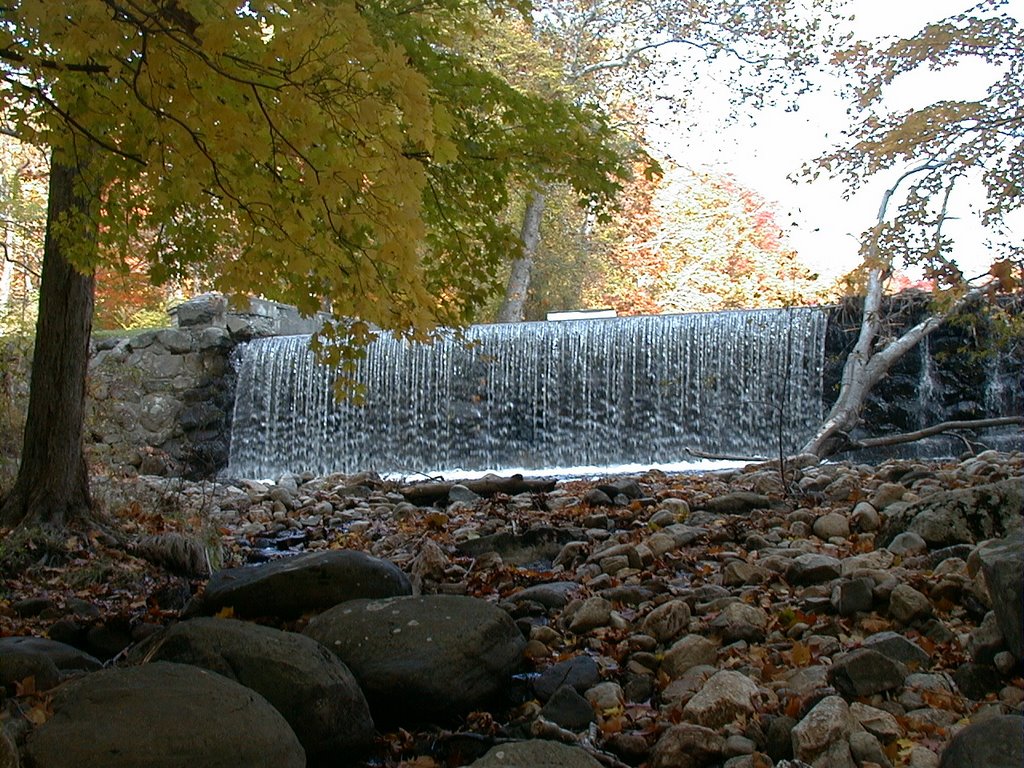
311, 151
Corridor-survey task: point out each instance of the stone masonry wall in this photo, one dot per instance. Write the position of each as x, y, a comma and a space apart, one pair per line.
160, 402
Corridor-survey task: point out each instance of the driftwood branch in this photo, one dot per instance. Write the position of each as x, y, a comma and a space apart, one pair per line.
424, 494
946, 426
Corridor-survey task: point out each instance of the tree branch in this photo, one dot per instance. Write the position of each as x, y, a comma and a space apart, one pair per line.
935, 429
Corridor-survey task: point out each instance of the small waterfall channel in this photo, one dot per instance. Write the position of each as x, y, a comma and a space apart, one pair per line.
596, 392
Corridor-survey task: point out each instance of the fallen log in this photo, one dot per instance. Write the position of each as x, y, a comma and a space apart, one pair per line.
432, 492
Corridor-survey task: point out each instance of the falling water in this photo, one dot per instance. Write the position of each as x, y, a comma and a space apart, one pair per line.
533, 395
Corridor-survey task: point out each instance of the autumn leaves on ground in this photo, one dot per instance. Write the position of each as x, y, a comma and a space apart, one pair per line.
843, 617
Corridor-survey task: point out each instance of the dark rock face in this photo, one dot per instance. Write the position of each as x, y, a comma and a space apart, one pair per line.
161, 715
423, 658
306, 683
997, 742
940, 380
309, 583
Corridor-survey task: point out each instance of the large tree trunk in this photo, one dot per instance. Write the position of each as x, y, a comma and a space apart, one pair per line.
52, 486
512, 308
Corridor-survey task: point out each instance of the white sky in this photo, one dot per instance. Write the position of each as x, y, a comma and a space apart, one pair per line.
823, 227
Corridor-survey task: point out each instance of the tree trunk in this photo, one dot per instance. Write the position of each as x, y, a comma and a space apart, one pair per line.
52, 486
512, 308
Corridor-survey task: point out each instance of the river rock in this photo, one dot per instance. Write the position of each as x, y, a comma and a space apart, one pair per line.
64, 657
823, 733
813, 568
996, 742
740, 621
726, 696
687, 746
305, 682
832, 524
907, 605
536, 754
423, 658
689, 651
898, 648
666, 622
568, 709
161, 714
864, 672
309, 583
852, 596
1002, 564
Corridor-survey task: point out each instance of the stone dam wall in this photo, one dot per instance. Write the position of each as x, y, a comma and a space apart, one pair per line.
160, 402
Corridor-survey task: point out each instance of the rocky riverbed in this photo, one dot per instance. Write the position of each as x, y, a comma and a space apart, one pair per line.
847, 615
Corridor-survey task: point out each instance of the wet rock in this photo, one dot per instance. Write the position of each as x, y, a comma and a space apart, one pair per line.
421, 658
158, 712
580, 672
687, 746
864, 672
996, 742
726, 696
306, 683
536, 754
292, 586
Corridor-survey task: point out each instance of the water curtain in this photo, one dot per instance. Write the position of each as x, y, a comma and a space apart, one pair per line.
535, 395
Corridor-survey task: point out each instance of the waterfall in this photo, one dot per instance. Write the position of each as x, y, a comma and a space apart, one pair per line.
535, 395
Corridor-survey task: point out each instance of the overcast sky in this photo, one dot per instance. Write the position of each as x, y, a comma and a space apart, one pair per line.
822, 226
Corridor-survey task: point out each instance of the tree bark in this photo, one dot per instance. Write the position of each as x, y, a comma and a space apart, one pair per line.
52, 486
513, 307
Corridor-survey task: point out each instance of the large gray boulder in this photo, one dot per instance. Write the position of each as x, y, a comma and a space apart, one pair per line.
423, 658
306, 683
997, 742
308, 583
1002, 563
961, 516
161, 716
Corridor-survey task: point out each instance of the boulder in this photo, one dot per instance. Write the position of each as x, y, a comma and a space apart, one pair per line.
423, 658
308, 583
961, 516
864, 672
536, 754
996, 742
306, 683
1002, 563
726, 696
64, 656
827, 726
161, 715
687, 746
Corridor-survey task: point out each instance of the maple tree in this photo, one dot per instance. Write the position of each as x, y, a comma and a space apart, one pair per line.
935, 150
307, 151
